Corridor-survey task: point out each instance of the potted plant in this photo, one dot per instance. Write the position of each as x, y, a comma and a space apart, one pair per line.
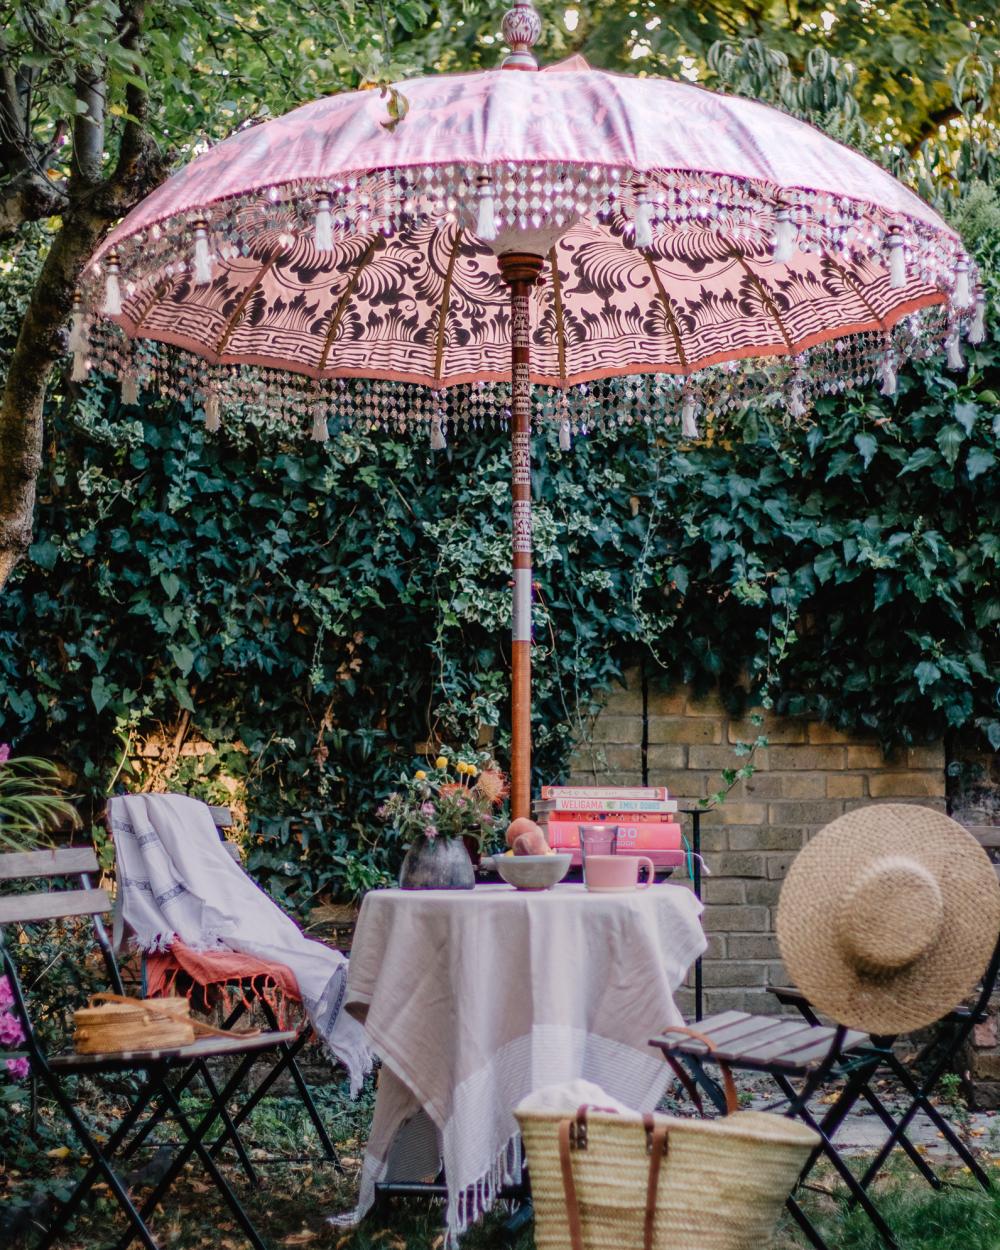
442, 811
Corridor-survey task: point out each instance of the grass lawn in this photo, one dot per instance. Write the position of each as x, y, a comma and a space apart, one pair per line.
298, 1192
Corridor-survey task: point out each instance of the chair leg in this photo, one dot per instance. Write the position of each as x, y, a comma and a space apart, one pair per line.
101, 1165
831, 1122
912, 1153
230, 1132
188, 1149
812, 1234
295, 1071
221, 1184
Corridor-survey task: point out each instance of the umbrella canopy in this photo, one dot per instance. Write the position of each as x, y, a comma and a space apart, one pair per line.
555, 228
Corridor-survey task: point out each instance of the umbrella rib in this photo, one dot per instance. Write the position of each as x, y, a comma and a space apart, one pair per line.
766, 299
668, 311
244, 300
348, 291
445, 301
558, 304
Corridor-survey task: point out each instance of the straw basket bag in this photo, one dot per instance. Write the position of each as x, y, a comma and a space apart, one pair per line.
602, 1181
123, 1024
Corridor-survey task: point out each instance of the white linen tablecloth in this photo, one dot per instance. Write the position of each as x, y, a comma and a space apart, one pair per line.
473, 999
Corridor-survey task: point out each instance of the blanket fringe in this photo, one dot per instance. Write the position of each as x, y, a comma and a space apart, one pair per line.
472, 1203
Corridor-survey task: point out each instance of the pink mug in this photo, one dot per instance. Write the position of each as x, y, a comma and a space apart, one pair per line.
616, 874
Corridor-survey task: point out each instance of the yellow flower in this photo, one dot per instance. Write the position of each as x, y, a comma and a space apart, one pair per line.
461, 767
441, 762
472, 770
420, 775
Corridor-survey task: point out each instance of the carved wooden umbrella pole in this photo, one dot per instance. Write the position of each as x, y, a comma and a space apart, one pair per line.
498, 238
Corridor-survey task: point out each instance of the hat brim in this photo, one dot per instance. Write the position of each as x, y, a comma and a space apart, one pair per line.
936, 981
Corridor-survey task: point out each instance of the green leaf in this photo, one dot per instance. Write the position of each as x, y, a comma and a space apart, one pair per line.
950, 439
867, 445
926, 674
921, 459
100, 694
978, 461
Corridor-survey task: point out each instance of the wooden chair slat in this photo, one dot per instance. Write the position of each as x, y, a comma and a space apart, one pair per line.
819, 1047
52, 905
202, 1048
985, 835
781, 1041
223, 816
56, 863
743, 1030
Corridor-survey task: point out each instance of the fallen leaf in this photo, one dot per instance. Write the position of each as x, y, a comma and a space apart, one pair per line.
300, 1239
59, 1152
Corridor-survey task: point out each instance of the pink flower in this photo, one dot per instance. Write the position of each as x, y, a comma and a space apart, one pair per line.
427, 809
6, 993
4, 752
18, 1068
431, 832
11, 1032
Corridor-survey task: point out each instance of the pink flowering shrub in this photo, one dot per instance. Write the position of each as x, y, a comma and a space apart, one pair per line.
11, 1033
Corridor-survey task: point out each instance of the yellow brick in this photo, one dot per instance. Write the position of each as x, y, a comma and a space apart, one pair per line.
744, 813
773, 730
865, 757
906, 785
663, 704
818, 732
845, 786
710, 705
802, 786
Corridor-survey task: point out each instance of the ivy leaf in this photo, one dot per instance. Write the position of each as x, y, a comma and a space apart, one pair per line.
965, 414
183, 657
171, 584
921, 459
993, 733
825, 564
926, 673
100, 695
950, 439
867, 445
979, 460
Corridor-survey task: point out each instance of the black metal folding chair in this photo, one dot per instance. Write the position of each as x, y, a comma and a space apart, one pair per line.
789, 1050
55, 1072
286, 1062
919, 1079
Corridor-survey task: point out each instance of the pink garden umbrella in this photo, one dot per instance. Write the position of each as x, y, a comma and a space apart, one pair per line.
548, 230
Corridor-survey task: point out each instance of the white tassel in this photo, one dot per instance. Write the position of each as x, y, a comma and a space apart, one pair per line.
130, 389
565, 435
486, 225
955, 360
643, 219
962, 295
796, 399
213, 418
112, 305
689, 410
977, 327
78, 341
323, 225
785, 236
897, 259
81, 367
320, 433
202, 256
438, 440
888, 373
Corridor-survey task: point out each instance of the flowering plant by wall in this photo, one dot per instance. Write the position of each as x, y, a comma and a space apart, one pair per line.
456, 795
11, 1033
31, 801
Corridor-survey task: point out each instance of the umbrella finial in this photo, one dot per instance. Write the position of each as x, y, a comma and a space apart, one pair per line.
521, 27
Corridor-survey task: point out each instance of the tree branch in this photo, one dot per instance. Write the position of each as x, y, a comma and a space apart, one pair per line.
28, 196
88, 131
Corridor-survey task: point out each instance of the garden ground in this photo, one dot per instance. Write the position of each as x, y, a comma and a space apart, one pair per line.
298, 1192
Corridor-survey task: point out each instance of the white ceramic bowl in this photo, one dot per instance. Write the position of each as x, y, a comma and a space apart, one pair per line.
532, 872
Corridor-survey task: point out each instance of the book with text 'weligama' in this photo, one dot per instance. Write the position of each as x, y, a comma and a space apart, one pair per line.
604, 804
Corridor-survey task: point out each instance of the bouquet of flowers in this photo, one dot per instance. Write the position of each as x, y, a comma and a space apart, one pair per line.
456, 796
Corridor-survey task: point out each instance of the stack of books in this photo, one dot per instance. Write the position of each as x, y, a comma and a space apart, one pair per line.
644, 816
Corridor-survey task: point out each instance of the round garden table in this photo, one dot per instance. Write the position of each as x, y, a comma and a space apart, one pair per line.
473, 999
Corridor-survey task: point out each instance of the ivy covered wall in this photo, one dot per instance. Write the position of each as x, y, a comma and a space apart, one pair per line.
301, 616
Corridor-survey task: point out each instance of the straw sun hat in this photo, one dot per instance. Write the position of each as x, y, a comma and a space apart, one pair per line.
888, 917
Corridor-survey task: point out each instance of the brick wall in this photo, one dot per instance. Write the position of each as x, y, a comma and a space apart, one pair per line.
807, 775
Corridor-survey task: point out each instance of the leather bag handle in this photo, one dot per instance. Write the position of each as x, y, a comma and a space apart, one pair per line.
728, 1083
573, 1134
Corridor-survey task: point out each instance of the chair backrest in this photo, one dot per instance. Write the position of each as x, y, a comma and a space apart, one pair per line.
77, 861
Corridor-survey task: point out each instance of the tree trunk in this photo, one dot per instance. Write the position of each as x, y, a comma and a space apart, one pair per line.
40, 345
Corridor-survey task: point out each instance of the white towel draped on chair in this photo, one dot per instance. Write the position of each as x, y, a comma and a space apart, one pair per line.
176, 880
